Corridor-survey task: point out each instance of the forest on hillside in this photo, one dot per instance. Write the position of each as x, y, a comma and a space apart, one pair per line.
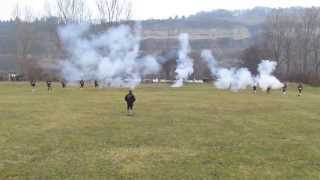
237, 38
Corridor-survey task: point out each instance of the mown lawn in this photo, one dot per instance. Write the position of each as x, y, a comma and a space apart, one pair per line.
196, 132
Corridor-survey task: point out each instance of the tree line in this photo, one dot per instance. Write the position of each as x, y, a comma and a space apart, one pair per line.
292, 38
289, 36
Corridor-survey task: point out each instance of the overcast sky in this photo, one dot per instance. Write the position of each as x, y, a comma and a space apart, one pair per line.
145, 9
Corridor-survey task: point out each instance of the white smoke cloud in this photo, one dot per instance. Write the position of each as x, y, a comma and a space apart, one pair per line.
184, 62
234, 79
265, 78
112, 57
238, 79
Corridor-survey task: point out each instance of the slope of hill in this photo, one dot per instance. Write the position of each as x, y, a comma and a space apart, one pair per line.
228, 31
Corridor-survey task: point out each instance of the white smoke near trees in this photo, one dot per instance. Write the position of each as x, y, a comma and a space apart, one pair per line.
112, 57
234, 79
184, 62
238, 79
265, 78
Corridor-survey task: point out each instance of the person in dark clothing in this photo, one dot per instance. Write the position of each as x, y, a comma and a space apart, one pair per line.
284, 88
130, 99
96, 84
254, 89
82, 84
300, 88
269, 90
33, 85
49, 85
63, 84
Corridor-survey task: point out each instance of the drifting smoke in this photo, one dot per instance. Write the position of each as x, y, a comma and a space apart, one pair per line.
184, 62
234, 79
265, 78
111, 57
238, 79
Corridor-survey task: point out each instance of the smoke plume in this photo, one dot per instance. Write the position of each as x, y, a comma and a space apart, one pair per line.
184, 62
238, 79
112, 57
265, 78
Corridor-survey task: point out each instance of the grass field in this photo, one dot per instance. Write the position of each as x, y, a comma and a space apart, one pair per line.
195, 132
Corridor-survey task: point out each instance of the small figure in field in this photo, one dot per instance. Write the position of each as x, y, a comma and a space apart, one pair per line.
254, 89
284, 88
300, 88
96, 84
81, 83
269, 90
130, 99
63, 84
33, 85
49, 85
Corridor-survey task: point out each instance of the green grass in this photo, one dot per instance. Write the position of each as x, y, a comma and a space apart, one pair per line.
195, 132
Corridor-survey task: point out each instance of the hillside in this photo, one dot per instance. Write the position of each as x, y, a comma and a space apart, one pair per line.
227, 31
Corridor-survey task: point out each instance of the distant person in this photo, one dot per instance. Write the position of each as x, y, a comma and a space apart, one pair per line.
63, 84
254, 89
130, 99
269, 90
33, 85
82, 84
49, 85
96, 84
300, 89
284, 88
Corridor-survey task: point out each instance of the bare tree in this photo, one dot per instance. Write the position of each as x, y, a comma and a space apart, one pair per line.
16, 13
48, 9
128, 11
24, 35
73, 10
293, 36
114, 11
274, 29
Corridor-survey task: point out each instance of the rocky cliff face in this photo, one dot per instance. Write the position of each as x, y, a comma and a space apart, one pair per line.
237, 33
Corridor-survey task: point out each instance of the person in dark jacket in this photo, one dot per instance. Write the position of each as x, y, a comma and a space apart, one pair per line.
33, 85
130, 99
49, 85
254, 89
269, 90
300, 88
96, 84
81, 83
284, 88
63, 84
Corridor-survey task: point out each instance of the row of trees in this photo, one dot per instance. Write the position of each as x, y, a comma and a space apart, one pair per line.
58, 12
291, 37
76, 11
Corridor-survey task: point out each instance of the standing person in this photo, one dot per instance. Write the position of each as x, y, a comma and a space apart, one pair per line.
284, 88
254, 89
96, 84
63, 84
49, 85
33, 85
300, 88
269, 90
130, 99
81, 83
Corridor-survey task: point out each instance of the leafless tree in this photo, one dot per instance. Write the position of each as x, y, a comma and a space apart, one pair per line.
24, 35
48, 9
114, 11
73, 11
293, 36
16, 13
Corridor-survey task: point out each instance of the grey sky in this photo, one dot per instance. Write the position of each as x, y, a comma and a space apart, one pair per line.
144, 9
